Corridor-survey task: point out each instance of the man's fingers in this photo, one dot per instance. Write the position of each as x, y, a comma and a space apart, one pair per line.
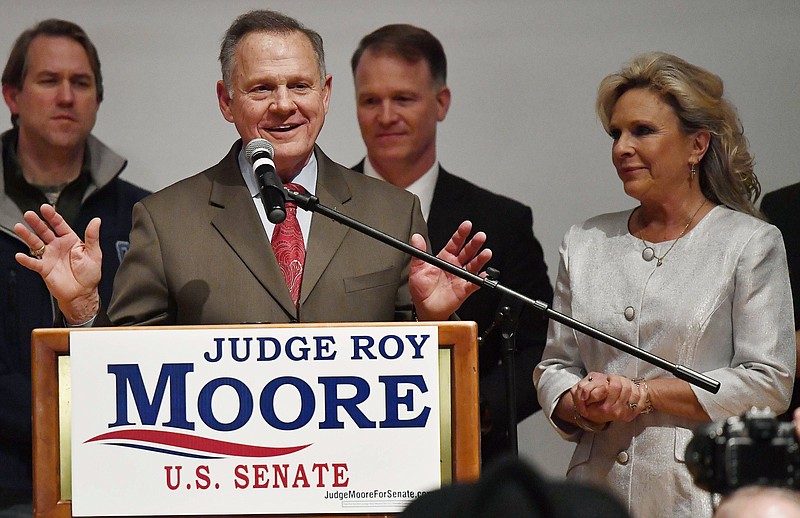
24, 233
477, 264
464, 228
92, 237
57, 222
471, 248
485, 256
29, 262
417, 241
454, 246
468, 252
40, 228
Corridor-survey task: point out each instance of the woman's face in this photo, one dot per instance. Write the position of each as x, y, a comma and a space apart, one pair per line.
650, 152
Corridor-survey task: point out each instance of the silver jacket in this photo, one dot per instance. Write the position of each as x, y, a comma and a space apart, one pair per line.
719, 304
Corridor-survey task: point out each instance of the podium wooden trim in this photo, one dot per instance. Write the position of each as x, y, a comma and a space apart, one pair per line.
50, 344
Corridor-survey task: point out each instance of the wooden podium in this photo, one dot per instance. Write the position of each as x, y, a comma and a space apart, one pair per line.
460, 428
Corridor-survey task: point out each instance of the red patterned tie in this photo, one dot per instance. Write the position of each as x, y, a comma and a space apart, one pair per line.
287, 243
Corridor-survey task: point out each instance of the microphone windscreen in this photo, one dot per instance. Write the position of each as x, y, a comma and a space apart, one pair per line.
258, 144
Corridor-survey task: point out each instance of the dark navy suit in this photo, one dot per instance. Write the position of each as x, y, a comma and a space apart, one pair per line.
519, 258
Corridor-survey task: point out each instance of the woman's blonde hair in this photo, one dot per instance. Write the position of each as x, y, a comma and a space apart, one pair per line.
696, 95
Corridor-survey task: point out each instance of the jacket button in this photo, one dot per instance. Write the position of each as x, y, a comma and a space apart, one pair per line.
630, 313
622, 457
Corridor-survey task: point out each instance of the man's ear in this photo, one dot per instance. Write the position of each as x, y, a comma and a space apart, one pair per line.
326, 92
224, 99
10, 96
443, 103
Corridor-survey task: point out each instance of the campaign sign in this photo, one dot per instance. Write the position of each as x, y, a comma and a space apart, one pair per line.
253, 421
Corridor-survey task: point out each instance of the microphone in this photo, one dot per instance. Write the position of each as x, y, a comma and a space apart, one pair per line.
259, 153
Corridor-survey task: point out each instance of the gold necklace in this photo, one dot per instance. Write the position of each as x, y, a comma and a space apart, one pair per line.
648, 254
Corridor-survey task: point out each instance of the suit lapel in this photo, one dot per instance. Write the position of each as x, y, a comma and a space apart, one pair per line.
326, 236
235, 218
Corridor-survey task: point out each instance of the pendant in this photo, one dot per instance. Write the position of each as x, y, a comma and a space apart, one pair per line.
648, 254
659, 261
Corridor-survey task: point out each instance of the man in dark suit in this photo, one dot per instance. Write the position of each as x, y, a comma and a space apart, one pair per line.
53, 87
200, 250
781, 207
401, 95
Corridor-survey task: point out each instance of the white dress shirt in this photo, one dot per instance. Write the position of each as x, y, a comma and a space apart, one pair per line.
307, 178
423, 187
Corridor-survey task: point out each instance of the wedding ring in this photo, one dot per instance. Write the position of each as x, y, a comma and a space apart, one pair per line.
589, 378
39, 252
633, 406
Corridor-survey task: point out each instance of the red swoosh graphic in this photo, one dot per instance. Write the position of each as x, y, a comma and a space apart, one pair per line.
198, 443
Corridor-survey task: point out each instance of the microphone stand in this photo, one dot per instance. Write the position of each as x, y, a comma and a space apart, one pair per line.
508, 314
507, 318
311, 203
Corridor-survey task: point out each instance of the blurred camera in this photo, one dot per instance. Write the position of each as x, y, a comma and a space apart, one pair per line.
752, 449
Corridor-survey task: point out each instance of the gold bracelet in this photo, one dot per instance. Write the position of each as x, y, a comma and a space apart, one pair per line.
648, 405
585, 425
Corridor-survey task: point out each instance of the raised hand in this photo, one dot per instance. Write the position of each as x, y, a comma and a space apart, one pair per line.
71, 268
436, 293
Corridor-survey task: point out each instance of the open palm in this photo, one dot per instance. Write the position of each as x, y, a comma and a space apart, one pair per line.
71, 268
438, 294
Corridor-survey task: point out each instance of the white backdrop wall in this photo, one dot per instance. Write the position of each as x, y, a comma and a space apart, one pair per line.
523, 74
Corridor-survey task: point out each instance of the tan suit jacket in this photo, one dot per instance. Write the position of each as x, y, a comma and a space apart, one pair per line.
199, 254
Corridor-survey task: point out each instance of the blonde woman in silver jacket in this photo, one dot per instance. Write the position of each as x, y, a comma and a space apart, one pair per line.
691, 274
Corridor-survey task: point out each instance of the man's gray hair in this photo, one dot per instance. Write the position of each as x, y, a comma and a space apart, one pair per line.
270, 22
